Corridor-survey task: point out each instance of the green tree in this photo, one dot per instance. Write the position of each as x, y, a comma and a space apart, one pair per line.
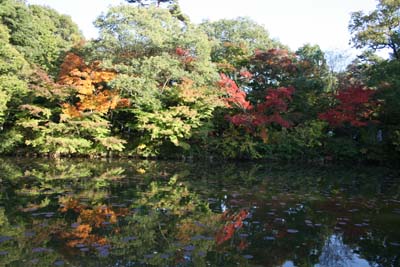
13, 72
378, 29
164, 70
235, 41
39, 33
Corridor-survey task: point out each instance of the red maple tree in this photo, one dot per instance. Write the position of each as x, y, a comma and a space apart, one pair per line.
264, 113
355, 108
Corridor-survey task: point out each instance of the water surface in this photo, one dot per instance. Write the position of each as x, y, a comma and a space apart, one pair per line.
149, 213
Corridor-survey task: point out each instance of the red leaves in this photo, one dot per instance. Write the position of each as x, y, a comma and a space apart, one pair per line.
235, 221
184, 55
181, 52
245, 74
355, 108
279, 59
276, 101
236, 97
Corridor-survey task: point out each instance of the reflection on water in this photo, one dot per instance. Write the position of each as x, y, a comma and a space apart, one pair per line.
147, 213
337, 254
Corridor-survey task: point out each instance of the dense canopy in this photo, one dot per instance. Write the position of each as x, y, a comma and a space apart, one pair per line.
154, 84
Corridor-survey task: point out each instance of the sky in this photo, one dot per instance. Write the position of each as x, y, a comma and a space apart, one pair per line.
293, 22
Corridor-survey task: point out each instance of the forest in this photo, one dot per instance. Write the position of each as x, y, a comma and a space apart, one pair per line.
156, 85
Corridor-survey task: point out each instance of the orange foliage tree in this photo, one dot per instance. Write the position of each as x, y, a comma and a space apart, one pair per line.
90, 83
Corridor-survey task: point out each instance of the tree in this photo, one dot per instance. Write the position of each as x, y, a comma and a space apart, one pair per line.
164, 70
39, 33
355, 108
235, 40
149, 2
14, 70
378, 29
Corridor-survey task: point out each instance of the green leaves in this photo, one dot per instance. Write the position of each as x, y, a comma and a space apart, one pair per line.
39, 33
378, 29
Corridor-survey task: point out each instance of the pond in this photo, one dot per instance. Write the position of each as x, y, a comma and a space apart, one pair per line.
161, 213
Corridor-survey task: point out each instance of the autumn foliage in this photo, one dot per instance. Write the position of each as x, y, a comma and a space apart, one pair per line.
235, 97
89, 81
89, 219
355, 108
264, 113
234, 222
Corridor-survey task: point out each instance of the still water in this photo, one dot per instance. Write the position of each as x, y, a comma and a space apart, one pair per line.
153, 213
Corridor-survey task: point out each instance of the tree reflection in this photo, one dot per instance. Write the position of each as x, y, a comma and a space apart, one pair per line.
335, 253
176, 214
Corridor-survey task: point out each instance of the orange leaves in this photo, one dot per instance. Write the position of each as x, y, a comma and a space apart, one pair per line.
86, 79
89, 80
101, 102
69, 111
236, 97
235, 221
89, 219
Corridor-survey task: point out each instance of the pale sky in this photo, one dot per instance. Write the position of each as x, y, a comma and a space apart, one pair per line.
293, 22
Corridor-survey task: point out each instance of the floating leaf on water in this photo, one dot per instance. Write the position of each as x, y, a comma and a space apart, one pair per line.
30, 234
49, 214
199, 224
43, 224
59, 263
117, 205
248, 257
39, 249
212, 200
165, 256
269, 238
189, 248
128, 238
104, 252
74, 225
177, 244
292, 231
149, 256
5, 238
29, 209
34, 261
396, 211
197, 237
